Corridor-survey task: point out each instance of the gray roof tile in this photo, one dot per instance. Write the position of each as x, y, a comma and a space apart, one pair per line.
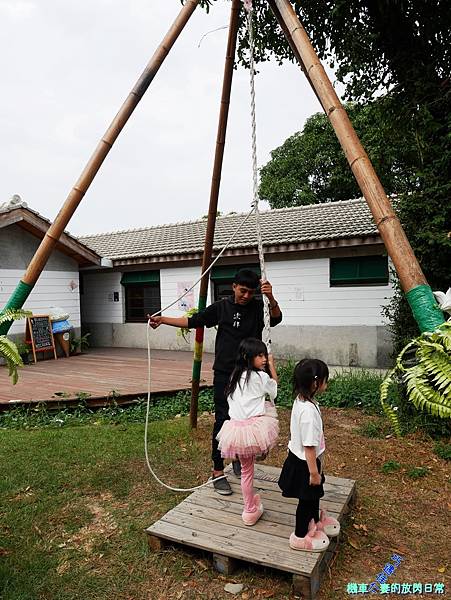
330, 221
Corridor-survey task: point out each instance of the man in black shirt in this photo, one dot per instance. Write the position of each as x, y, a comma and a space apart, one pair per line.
238, 316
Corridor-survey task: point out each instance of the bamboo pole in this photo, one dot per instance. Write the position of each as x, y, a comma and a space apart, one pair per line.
412, 279
292, 45
213, 205
75, 196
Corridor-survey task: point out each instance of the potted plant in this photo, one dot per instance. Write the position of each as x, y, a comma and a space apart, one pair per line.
24, 350
78, 345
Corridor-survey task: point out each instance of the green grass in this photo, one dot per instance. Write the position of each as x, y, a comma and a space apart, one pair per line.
390, 466
74, 503
161, 408
374, 429
443, 450
417, 472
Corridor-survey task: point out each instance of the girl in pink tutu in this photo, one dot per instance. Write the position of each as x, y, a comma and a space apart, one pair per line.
253, 426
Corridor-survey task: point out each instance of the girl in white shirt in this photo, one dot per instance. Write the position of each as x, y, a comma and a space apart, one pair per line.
302, 473
253, 426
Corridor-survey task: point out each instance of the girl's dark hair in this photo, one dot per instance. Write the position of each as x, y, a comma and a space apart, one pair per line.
307, 372
247, 351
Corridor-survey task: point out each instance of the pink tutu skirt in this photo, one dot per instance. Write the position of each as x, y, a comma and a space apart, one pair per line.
249, 437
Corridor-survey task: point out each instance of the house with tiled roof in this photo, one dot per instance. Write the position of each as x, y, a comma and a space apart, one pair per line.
327, 264
21, 231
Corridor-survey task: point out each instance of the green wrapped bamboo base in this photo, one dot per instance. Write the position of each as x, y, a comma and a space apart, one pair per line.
16, 301
424, 307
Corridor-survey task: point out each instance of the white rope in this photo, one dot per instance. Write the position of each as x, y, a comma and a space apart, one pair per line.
146, 428
266, 334
266, 330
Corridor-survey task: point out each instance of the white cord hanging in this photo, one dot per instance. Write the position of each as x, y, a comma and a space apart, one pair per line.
266, 334
146, 427
266, 329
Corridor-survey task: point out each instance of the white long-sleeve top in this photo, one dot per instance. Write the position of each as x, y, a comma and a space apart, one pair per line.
306, 428
248, 400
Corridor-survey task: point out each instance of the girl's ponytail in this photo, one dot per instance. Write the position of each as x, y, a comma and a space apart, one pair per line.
306, 373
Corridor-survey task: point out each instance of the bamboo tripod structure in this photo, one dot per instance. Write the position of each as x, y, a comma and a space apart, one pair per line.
413, 282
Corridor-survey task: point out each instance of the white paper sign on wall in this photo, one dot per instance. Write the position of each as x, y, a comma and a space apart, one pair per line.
187, 302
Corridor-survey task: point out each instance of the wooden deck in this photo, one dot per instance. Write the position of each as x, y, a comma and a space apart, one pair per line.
208, 521
103, 373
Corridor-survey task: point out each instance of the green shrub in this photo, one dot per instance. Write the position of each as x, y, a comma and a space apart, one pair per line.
285, 385
443, 450
374, 429
390, 466
357, 388
417, 472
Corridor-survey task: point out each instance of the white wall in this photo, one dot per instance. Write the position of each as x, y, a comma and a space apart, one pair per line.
344, 326
303, 291
169, 280
53, 288
301, 287
97, 301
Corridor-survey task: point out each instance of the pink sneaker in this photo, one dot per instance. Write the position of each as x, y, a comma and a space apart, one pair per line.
250, 518
314, 541
328, 525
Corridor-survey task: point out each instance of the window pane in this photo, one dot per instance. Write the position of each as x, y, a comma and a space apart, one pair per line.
141, 300
359, 270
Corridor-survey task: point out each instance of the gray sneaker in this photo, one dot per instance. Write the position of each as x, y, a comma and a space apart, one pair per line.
222, 486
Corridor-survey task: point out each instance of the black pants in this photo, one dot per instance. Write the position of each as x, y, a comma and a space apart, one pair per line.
305, 512
220, 381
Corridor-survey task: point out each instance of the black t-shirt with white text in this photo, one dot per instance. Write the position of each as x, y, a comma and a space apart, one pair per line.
235, 323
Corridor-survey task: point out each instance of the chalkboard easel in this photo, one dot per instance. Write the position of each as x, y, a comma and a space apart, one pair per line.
39, 334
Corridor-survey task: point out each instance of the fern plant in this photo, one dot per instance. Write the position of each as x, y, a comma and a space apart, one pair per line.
424, 366
8, 349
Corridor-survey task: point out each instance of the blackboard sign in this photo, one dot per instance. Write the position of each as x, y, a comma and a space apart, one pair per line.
39, 334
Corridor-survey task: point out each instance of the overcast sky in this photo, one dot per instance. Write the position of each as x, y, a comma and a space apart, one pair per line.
66, 68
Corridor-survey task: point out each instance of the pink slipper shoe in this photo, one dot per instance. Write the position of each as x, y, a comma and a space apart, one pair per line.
250, 518
329, 525
314, 541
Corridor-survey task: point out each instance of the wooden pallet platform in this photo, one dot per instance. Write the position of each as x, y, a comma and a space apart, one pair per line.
212, 523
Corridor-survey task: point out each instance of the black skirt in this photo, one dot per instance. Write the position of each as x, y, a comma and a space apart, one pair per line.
294, 480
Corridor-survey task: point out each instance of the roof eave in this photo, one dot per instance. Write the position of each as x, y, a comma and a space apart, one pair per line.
38, 227
364, 240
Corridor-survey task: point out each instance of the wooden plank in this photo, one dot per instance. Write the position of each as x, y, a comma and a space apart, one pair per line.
270, 501
289, 504
98, 373
275, 471
330, 489
240, 549
236, 508
249, 535
232, 518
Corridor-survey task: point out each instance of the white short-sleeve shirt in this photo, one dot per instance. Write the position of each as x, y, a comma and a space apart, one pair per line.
248, 400
306, 428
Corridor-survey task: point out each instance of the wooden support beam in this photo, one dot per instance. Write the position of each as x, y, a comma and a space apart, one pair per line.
213, 205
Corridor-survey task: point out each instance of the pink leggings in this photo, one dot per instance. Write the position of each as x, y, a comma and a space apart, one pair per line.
247, 483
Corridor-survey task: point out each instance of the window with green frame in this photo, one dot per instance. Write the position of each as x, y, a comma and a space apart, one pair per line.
142, 295
222, 279
358, 271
